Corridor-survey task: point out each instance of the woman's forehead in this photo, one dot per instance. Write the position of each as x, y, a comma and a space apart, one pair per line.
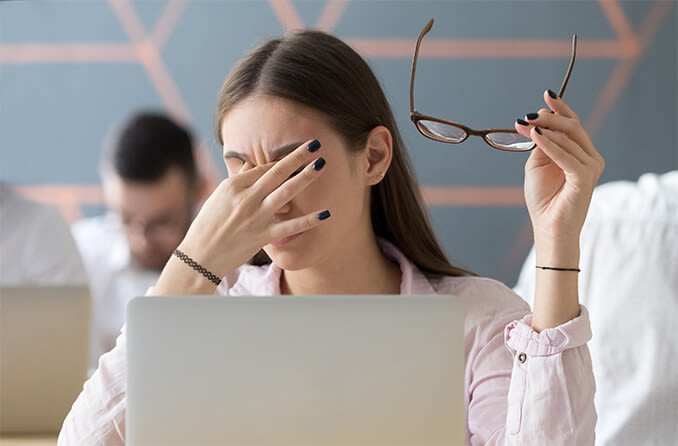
274, 125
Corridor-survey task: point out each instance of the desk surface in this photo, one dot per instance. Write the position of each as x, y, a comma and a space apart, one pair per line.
28, 440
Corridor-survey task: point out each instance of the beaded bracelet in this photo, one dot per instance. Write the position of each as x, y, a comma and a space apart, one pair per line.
198, 267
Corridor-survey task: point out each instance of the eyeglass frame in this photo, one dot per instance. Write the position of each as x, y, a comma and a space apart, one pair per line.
415, 116
154, 228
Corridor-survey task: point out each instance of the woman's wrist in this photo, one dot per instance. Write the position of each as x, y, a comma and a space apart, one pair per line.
213, 258
556, 297
558, 253
198, 267
178, 278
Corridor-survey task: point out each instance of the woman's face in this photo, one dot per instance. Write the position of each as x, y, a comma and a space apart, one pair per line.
258, 125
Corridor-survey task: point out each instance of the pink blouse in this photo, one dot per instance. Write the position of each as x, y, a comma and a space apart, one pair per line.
521, 387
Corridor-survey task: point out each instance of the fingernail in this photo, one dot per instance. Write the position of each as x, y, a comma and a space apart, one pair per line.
313, 145
319, 163
552, 94
531, 116
324, 215
538, 130
521, 122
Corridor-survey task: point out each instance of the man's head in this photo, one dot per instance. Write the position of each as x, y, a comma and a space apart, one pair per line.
150, 179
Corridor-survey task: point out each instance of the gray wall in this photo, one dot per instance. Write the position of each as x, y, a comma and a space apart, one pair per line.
70, 69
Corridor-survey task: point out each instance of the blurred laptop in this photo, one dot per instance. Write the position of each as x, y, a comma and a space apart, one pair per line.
295, 370
44, 339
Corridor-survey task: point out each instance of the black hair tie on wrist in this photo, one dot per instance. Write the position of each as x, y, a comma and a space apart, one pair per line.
198, 267
559, 269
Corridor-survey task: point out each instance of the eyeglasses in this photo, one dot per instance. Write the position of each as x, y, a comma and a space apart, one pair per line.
164, 227
455, 133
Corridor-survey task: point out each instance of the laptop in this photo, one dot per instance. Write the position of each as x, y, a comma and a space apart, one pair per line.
44, 341
295, 370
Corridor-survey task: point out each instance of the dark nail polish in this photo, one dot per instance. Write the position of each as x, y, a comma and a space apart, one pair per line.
531, 116
552, 94
324, 215
314, 145
319, 163
521, 122
538, 130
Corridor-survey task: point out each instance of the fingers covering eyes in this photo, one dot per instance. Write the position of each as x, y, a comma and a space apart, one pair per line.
284, 168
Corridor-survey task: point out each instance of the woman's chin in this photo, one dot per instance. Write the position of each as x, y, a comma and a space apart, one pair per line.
287, 259
302, 252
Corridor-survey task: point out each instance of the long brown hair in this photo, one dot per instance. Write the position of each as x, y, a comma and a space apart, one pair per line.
319, 71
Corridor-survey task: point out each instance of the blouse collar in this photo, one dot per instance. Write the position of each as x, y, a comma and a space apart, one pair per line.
265, 281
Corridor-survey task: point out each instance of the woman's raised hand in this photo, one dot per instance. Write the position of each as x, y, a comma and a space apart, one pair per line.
561, 172
237, 220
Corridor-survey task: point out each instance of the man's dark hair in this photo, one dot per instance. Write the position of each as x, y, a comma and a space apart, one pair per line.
147, 145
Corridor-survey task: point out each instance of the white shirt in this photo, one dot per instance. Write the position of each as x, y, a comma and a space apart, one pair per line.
36, 246
114, 278
629, 282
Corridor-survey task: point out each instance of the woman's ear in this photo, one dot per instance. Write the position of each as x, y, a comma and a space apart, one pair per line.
379, 152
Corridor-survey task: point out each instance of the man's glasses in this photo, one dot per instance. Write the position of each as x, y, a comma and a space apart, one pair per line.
164, 227
455, 133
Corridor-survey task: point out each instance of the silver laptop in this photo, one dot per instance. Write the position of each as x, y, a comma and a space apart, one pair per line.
295, 370
44, 340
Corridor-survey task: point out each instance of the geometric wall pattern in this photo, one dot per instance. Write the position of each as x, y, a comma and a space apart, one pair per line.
475, 52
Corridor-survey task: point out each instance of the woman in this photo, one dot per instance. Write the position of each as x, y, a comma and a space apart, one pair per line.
319, 177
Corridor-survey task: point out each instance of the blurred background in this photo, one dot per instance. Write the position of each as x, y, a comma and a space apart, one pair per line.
71, 69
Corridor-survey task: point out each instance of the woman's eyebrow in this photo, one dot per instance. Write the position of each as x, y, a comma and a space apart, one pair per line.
281, 151
275, 154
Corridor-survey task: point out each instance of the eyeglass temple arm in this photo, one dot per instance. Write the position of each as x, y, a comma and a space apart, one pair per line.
569, 68
426, 29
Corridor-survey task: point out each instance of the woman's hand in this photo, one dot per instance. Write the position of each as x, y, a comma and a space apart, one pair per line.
560, 176
237, 220
561, 172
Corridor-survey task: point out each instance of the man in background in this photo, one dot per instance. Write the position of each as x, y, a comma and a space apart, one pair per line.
629, 282
151, 189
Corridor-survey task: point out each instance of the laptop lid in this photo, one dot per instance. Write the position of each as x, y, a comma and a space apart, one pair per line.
295, 370
44, 341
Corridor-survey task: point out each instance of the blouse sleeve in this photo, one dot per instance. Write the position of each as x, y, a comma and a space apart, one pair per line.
550, 384
97, 417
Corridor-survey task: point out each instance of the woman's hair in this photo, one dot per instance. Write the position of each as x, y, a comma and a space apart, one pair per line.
321, 72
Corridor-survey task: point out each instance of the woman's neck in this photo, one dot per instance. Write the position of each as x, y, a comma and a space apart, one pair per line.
359, 269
